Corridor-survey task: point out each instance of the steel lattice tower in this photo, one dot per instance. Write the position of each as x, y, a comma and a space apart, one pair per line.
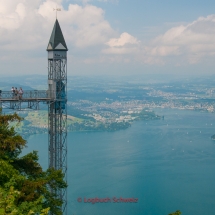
57, 109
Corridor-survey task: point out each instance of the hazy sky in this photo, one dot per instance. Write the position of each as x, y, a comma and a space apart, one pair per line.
122, 37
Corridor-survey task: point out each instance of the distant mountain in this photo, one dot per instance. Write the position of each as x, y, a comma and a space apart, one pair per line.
4, 86
27, 82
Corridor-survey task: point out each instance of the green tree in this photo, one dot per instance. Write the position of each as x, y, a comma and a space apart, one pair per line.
8, 205
23, 177
176, 213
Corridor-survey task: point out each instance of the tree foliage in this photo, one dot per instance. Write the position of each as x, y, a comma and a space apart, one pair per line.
8, 204
24, 186
176, 213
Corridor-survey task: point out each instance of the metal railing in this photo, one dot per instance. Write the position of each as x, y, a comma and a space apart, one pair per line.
27, 95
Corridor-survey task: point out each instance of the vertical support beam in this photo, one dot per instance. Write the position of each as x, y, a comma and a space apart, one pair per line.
15, 105
34, 104
57, 114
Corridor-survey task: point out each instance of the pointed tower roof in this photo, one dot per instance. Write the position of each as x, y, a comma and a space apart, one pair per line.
57, 42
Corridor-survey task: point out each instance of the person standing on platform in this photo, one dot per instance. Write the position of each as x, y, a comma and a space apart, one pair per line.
20, 93
16, 93
13, 92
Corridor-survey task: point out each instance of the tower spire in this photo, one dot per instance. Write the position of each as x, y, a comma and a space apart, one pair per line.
57, 42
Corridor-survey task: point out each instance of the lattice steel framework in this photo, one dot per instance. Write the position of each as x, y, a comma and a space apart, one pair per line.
57, 78
30, 97
57, 81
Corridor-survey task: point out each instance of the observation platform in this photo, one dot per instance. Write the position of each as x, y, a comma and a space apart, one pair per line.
28, 95
31, 97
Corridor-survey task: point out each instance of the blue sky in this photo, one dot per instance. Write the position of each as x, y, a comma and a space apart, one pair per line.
155, 12
110, 37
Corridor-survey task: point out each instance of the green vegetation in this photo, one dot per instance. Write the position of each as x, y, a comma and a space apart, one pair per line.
24, 186
91, 126
37, 118
213, 137
8, 205
176, 213
36, 122
79, 114
146, 114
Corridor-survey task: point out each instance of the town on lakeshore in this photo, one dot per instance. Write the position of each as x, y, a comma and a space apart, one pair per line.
104, 104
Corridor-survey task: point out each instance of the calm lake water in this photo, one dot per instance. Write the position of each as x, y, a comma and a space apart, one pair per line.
167, 164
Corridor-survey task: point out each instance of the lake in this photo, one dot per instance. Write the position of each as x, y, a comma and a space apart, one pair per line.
166, 164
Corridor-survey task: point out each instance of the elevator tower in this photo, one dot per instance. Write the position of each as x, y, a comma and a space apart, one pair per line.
57, 108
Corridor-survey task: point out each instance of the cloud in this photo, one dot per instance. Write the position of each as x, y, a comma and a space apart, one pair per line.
124, 39
25, 28
24, 24
12, 14
88, 26
87, 1
193, 41
121, 50
125, 44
